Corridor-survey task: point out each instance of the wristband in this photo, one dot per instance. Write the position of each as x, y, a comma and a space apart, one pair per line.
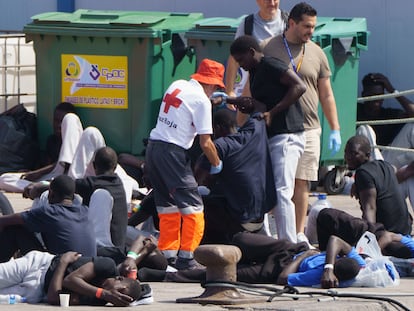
98, 293
328, 266
132, 255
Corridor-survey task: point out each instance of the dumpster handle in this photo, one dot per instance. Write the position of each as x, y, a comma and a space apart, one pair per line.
100, 16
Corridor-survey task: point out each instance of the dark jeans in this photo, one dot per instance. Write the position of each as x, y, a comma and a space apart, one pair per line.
14, 238
220, 226
263, 257
332, 221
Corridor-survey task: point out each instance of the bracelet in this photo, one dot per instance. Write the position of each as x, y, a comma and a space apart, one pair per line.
132, 255
328, 266
98, 293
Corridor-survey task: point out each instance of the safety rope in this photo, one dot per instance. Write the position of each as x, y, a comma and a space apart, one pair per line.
291, 292
393, 148
384, 96
388, 121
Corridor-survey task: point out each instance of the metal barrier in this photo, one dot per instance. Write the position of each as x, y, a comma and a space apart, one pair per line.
389, 121
17, 72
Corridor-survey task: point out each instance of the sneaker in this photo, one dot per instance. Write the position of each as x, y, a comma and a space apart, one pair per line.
172, 261
301, 237
146, 296
188, 264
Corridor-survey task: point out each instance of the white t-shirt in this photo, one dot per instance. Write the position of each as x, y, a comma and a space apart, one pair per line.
185, 111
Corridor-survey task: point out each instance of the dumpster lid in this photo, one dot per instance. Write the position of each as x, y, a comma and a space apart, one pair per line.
97, 18
340, 26
150, 23
215, 28
218, 23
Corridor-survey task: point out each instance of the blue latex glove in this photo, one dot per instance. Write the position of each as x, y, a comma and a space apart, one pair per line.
390, 271
222, 95
203, 190
216, 169
334, 141
219, 94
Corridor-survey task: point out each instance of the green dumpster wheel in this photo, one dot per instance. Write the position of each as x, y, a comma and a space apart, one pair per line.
329, 183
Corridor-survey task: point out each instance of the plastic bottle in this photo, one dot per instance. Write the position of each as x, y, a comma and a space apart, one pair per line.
11, 299
134, 207
315, 208
322, 202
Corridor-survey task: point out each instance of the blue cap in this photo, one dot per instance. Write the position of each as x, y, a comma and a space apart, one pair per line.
322, 196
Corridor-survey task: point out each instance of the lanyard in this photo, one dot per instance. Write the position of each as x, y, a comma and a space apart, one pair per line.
292, 61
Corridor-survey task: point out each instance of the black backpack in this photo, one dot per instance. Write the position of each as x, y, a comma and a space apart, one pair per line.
19, 148
248, 22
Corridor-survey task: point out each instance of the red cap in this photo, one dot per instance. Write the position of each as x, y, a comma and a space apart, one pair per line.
210, 72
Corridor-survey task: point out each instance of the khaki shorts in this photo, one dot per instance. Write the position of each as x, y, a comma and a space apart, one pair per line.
309, 161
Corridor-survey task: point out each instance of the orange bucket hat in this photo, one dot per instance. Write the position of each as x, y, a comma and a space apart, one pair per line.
210, 72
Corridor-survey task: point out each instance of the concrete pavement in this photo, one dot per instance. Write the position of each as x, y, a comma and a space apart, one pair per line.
165, 294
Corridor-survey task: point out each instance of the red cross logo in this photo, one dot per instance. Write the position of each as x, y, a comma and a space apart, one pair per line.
172, 100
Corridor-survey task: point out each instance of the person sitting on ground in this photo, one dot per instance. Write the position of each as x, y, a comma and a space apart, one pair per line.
244, 191
62, 223
75, 158
382, 204
104, 163
89, 280
393, 135
54, 140
376, 187
47, 160
134, 167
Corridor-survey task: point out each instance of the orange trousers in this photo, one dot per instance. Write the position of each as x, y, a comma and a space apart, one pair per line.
180, 232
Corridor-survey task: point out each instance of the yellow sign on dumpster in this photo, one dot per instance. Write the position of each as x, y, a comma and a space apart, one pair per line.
95, 81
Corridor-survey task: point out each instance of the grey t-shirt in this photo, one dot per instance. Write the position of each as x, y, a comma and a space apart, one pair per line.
262, 29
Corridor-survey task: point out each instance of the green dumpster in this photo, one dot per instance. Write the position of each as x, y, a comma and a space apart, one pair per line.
114, 66
212, 37
342, 39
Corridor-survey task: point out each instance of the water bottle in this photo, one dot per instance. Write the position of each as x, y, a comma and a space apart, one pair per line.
316, 207
322, 202
11, 299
